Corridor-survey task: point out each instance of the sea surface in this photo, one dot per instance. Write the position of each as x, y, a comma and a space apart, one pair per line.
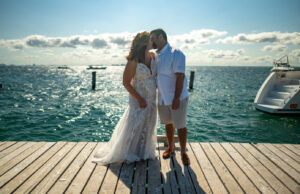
44, 103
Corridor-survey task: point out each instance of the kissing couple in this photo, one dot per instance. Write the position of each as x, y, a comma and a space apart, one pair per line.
154, 81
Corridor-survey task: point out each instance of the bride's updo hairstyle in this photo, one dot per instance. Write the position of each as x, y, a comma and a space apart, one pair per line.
138, 47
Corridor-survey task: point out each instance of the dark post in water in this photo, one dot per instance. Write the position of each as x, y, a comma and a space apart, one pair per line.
0, 85
192, 79
93, 80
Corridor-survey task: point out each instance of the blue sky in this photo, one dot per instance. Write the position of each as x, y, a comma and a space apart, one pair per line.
227, 32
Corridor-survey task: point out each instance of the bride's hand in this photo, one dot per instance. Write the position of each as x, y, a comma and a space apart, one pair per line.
142, 103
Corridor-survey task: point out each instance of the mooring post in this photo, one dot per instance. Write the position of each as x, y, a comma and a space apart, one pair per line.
192, 79
93, 80
0, 85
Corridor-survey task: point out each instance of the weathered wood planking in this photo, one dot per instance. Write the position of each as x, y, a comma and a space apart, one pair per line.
66, 167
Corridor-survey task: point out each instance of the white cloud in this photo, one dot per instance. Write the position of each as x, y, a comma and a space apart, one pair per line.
294, 57
296, 53
264, 37
107, 48
195, 38
12, 44
278, 47
120, 41
108, 40
99, 43
41, 41
94, 41
266, 58
224, 54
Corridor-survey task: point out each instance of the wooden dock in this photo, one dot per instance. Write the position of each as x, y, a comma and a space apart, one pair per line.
66, 167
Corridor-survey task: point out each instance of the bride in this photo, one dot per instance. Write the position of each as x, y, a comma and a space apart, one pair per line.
134, 137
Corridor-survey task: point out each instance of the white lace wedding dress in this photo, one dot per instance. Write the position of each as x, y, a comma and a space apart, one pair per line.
134, 137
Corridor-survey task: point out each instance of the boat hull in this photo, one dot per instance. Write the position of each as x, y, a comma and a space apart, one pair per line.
279, 112
280, 94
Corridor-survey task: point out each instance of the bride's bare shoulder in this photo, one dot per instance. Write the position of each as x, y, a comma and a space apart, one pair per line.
131, 64
130, 67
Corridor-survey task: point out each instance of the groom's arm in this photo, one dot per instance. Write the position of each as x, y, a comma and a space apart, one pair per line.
178, 90
179, 70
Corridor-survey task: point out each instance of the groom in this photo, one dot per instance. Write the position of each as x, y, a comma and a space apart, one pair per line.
172, 92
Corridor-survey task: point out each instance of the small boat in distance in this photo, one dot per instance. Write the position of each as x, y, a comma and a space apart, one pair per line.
280, 92
96, 67
63, 67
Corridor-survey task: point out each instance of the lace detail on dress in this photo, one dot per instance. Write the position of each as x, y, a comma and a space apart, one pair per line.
134, 137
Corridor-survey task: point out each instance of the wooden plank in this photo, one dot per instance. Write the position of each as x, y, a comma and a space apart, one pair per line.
41, 173
168, 175
288, 152
54, 175
5, 145
278, 161
125, 179
96, 178
212, 177
154, 176
297, 146
196, 173
27, 172
262, 170
19, 158
235, 170
12, 148
2, 142
66, 178
85, 172
227, 179
259, 182
29, 164
288, 160
110, 181
276, 171
24, 164
140, 174
15, 153
183, 176
163, 138
292, 149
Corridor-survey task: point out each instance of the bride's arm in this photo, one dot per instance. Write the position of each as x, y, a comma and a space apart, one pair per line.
128, 75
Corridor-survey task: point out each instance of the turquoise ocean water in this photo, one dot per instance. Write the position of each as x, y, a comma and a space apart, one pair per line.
44, 103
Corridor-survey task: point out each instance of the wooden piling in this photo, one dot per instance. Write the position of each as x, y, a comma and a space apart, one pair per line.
94, 80
0, 85
192, 79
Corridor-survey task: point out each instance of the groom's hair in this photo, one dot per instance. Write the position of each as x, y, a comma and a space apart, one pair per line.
159, 31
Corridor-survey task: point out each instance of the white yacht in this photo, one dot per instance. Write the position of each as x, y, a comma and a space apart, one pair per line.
280, 92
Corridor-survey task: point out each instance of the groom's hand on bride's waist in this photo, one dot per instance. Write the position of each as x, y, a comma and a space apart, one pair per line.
175, 103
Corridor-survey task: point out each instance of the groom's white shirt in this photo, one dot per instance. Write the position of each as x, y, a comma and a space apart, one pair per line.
169, 61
